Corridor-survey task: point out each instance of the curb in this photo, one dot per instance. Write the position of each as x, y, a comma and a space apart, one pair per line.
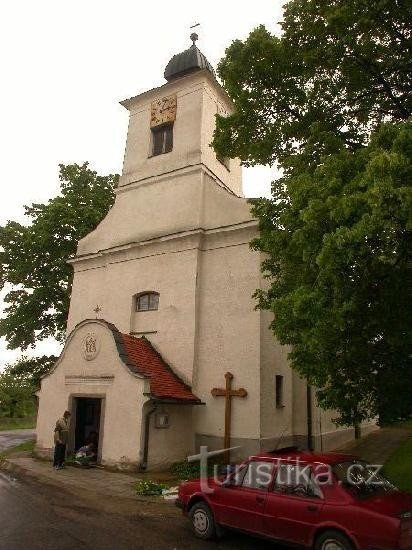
10, 468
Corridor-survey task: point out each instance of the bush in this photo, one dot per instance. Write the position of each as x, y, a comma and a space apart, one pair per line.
148, 487
191, 470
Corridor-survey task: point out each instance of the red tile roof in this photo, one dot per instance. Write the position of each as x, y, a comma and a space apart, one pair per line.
164, 383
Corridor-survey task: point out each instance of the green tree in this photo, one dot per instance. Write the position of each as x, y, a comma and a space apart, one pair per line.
340, 68
33, 258
31, 369
337, 227
16, 394
337, 246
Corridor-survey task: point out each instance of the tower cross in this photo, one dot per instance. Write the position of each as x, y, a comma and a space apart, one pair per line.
194, 36
228, 393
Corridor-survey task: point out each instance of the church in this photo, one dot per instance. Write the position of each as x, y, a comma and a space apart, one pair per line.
165, 350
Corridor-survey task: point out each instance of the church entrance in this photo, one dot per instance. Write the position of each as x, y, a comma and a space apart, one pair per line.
88, 416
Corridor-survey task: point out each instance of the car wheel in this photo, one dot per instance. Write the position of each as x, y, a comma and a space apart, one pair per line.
202, 520
333, 540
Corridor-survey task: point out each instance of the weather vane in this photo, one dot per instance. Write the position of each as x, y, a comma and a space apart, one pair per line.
97, 310
194, 36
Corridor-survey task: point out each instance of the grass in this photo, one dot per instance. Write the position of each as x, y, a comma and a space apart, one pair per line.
406, 424
399, 466
26, 423
26, 447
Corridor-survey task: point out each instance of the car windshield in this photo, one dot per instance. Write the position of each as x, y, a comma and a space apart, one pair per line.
362, 479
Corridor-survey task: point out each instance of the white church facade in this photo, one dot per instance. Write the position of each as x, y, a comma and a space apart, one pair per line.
172, 272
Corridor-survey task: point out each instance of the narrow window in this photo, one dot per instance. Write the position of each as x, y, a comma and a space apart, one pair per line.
279, 391
162, 139
149, 301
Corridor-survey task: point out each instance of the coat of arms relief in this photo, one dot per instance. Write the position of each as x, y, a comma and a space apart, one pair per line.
91, 346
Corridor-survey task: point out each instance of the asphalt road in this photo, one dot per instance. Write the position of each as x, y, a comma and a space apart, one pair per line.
42, 517
11, 439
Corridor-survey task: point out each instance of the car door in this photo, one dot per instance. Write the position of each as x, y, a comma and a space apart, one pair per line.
293, 505
240, 503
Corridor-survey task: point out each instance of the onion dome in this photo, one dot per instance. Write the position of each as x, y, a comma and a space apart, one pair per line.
186, 62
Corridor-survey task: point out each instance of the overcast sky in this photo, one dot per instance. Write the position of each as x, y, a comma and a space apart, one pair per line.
66, 65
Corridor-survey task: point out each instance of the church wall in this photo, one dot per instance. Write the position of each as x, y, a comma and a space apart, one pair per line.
214, 103
172, 444
229, 331
163, 207
220, 208
106, 377
327, 435
173, 276
276, 421
156, 208
300, 417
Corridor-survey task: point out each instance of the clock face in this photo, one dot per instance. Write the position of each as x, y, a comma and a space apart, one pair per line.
163, 111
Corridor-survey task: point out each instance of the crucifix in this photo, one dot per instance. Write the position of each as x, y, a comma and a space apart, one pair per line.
228, 393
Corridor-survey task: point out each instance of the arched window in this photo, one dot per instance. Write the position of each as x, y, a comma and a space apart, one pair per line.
147, 301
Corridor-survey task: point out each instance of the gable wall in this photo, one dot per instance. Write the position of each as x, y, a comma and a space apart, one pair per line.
105, 376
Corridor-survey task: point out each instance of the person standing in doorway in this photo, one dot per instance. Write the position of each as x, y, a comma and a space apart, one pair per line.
61, 437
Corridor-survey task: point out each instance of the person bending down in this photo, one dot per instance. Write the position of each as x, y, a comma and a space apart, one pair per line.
86, 455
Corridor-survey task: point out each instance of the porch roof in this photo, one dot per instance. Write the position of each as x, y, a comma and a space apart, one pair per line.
165, 384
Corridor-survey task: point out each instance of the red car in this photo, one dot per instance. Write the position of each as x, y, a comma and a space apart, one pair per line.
325, 501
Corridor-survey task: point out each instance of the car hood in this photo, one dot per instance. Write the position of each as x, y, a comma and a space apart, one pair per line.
390, 504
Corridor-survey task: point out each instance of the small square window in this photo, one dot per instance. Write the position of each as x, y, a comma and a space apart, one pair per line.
147, 302
162, 420
162, 139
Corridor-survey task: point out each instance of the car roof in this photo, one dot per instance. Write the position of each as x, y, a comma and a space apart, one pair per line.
308, 457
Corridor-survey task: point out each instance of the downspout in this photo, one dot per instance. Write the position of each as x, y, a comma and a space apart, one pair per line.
146, 433
309, 417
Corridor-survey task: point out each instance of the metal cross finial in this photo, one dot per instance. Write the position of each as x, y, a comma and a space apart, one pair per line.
194, 36
97, 310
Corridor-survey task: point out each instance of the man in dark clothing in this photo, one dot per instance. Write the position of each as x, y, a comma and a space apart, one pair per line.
61, 437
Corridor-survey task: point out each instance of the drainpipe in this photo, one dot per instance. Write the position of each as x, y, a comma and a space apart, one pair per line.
148, 415
309, 417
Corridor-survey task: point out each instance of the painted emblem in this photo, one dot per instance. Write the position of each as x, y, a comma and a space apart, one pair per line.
91, 346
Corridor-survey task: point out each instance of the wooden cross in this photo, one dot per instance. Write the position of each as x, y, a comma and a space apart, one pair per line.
228, 393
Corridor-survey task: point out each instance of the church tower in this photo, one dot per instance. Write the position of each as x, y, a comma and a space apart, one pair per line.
173, 194
171, 127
